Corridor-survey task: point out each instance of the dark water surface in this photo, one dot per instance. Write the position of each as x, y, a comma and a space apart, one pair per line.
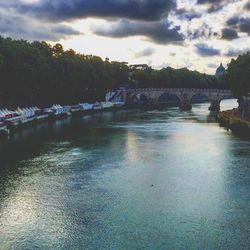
126, 180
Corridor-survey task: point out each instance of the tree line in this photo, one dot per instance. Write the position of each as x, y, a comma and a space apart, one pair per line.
238, 75
37, 73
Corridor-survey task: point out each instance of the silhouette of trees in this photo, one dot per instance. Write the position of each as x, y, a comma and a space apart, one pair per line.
238, 75
37, 73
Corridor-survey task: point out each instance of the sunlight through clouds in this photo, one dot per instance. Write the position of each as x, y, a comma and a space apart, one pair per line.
182, 33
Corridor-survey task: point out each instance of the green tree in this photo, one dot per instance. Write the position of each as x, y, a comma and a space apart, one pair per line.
238, 75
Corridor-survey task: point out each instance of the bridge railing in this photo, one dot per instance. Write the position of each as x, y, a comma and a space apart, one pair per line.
193, 90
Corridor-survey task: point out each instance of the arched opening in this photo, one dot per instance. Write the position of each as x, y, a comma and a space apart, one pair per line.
198, 98
139, 99
169, 99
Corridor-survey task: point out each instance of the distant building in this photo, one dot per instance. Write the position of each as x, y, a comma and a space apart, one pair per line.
220, 71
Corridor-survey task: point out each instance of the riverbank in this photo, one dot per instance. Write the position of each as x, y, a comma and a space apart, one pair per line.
11, 121
231, 119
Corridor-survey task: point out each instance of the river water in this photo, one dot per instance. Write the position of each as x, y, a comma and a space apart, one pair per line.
162, 179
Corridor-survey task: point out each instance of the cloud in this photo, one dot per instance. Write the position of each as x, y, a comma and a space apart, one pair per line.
247, 6
187, 14
204, 50
17, 26
214, 5
212, 65
232, 52
144, 53
159, 32
204, 31
61, 10
229, 34
172, 54
239, 23
232, 21
244, 25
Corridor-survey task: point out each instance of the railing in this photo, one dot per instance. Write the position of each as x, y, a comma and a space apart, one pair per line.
196, 90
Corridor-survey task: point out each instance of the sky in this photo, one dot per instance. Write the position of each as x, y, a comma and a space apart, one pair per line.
197, 34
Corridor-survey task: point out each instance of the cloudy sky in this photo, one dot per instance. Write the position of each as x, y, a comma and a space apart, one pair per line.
197, 34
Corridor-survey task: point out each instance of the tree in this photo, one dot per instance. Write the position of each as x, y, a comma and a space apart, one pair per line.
238, 75
40, 74
1, 60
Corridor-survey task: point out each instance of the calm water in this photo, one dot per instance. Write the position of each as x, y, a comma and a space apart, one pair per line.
127, 180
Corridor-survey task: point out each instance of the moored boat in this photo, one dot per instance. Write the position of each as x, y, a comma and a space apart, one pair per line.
60, 111
10, 118
107, 105
76, 109
41, 114
27, 115
118, 104
87, 107
97, 106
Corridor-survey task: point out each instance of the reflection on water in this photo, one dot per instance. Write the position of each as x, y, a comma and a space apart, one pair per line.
127, 180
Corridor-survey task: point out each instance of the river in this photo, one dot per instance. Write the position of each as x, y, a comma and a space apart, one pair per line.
161, 179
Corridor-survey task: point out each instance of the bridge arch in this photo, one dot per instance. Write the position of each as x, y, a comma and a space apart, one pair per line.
169, 98
199, 97
139, 98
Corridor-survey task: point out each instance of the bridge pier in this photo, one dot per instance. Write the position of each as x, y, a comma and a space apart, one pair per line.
215, 106
215, 103
186, 101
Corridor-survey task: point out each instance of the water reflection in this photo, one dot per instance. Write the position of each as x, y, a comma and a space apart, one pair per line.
161, 179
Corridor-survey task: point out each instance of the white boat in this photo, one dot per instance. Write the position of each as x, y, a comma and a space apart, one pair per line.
10, 118
14, 121
119, 104
40, 114
76, 108
66, 110
57, 110
97, 106
7, 114
107, 105
86, 106
27, 114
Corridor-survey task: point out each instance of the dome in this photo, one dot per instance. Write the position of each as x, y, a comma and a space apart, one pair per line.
220, 71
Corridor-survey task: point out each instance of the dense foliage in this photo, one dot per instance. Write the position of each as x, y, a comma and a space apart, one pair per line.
177, 78
37, 73
238, 75
40, 74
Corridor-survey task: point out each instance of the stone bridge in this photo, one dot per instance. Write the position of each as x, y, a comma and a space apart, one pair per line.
185, 96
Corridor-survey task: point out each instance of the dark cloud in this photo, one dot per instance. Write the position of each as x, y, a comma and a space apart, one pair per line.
232, 52
247, 6
229, 34
204, 50
75, 9
159, 32
204, 31
240, 24
233, 21
144, 53
214, 5
188, 15
244, 25
17, 26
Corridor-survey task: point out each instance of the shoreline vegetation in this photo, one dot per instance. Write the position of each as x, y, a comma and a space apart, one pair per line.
39, 74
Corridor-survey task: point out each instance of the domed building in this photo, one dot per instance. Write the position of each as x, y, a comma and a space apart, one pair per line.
220, 71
